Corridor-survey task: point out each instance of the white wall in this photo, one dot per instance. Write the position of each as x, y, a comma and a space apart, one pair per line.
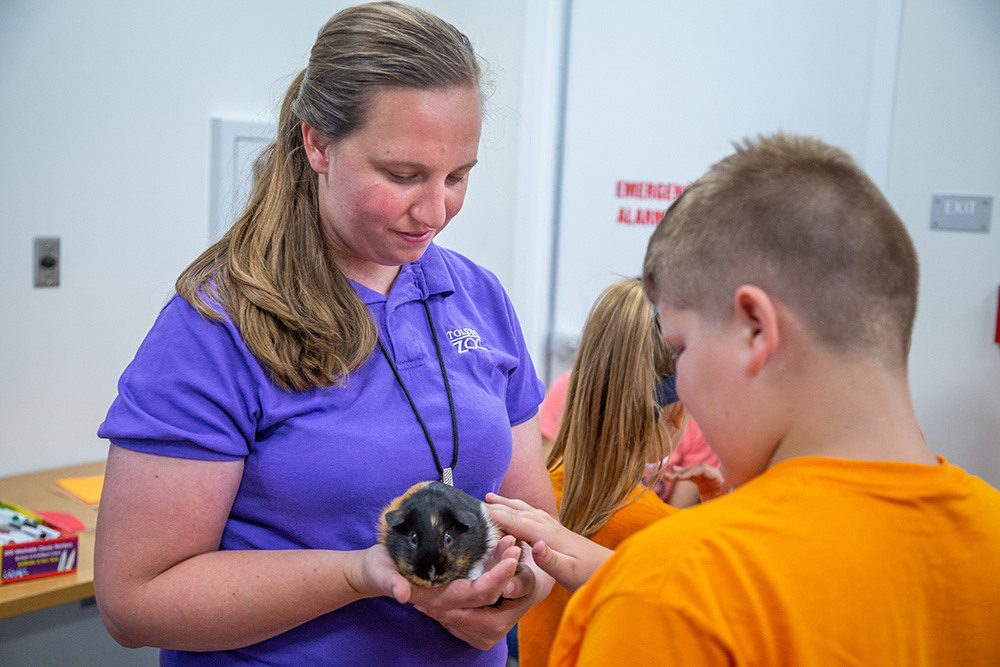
657, 91
104, 138
946, 140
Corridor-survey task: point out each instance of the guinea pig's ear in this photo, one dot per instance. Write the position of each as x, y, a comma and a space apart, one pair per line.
395, 518
465, 520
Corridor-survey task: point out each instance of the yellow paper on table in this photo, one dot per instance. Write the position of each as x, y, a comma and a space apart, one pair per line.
87, 489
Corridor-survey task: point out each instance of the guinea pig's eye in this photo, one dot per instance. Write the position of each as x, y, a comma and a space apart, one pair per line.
413, 538
448, 539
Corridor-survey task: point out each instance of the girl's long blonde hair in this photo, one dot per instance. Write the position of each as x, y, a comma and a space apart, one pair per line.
610, 427
273, 271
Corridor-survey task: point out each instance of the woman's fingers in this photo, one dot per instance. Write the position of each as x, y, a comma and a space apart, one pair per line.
463, 593
489, 586
379, 576
502, 550
399, 588
522, 584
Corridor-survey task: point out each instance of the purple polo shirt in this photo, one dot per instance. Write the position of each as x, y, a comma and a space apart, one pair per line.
320, 465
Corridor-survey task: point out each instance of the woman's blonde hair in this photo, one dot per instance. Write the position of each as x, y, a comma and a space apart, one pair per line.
273, 271
610, 427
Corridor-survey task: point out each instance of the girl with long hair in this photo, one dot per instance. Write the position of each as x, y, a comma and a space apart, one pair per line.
621, 413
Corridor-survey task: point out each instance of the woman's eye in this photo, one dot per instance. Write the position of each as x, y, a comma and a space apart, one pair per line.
448, 539
413, 538
402, 178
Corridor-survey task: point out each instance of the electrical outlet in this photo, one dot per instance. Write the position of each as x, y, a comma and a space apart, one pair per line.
46, 261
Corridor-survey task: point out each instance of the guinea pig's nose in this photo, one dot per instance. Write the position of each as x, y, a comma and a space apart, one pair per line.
431, 573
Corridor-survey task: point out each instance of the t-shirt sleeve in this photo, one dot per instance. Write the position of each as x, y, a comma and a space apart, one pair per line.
634, 629
524, 389
188, 393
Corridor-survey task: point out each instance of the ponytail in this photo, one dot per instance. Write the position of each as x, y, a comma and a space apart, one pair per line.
273, 273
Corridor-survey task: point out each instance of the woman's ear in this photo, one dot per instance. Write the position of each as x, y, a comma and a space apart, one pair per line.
758, 316
315, 144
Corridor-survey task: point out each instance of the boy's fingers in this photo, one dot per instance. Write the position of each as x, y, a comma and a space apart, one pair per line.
509, 502
555, 564
518, 524
504, 517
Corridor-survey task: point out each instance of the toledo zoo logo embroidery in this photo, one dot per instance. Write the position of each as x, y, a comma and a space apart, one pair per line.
465, 340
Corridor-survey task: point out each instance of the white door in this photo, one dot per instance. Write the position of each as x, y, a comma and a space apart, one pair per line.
656, 92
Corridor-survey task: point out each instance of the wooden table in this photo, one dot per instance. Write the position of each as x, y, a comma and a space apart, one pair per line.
37, 491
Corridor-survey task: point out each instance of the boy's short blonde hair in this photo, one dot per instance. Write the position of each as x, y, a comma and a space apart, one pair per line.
799, 219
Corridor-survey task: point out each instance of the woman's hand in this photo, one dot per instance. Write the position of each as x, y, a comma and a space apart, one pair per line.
373, 574
465, 607
708, 479
569, 558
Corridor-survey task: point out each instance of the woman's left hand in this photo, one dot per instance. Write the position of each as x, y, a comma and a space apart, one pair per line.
466, 608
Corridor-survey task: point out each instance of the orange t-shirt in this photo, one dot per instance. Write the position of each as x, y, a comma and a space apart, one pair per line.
818, 561
537, 629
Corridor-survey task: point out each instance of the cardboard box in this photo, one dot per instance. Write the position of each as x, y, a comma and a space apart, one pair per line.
39, 558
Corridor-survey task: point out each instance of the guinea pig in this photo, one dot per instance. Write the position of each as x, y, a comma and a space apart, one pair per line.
436, 533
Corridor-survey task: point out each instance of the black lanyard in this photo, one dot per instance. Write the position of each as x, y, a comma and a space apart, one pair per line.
446, 473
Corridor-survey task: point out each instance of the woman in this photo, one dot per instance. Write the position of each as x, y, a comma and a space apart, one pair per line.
318, 360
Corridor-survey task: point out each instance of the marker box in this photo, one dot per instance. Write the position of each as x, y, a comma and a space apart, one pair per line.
42, 549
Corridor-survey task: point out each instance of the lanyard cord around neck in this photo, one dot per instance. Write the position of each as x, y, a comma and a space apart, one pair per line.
446, 473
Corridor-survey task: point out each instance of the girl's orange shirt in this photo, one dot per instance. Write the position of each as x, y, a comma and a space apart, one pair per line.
537, 629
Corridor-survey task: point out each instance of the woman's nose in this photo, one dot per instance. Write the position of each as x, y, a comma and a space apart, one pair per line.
431, 208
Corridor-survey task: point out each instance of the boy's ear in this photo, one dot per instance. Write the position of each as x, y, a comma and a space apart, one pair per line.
758, 315
315, 144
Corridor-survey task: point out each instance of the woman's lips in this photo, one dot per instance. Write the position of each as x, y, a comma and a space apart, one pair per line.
420, 237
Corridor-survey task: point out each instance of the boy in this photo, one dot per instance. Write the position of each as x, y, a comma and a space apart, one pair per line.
788, 286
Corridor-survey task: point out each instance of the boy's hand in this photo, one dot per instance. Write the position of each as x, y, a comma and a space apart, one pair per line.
567, 557
707, 478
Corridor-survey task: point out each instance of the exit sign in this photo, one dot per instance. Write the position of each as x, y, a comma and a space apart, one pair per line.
960, 212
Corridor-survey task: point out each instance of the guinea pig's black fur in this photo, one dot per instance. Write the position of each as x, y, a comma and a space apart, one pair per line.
436, 533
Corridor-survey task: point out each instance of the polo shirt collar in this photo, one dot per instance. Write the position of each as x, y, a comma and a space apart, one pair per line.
433, 275
416, 281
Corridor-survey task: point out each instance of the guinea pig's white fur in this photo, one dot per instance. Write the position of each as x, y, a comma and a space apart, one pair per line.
493, 536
